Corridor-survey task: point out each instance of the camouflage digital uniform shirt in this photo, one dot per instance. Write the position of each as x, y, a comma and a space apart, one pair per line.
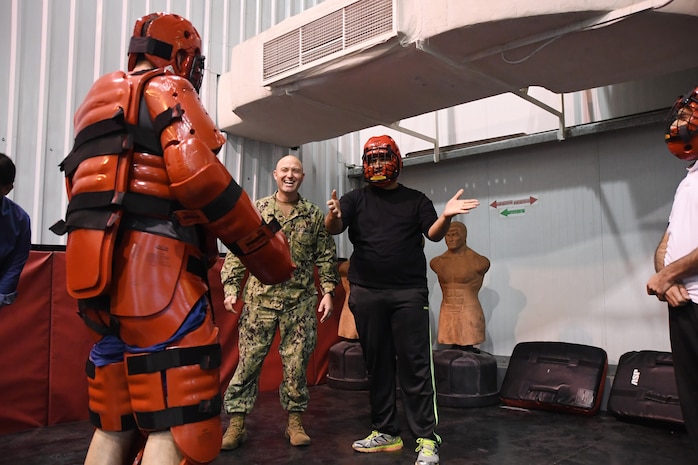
311, 245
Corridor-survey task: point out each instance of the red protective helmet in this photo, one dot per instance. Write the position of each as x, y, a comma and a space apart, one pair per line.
682, 127
168, 40
382, 161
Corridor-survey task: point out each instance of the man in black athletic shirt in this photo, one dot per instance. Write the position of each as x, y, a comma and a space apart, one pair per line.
389, 296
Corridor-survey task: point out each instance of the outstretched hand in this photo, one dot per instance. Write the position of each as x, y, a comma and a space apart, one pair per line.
456, 205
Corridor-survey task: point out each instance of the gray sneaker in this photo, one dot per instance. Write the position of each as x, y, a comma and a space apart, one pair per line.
378, 442
428, 452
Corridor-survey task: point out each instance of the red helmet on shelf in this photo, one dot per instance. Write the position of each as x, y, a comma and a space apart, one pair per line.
168, 41
382, 161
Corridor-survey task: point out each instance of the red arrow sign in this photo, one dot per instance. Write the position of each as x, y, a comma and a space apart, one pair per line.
505, 203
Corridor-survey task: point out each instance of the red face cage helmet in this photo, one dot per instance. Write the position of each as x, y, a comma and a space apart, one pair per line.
168, 40
681, 134
382, 161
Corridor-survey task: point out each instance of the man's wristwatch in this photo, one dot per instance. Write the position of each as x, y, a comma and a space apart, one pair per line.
331, 293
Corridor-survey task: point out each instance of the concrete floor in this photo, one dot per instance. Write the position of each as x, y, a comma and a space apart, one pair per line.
474, 436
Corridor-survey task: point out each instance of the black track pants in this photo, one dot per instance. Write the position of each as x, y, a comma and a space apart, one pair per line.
393, 327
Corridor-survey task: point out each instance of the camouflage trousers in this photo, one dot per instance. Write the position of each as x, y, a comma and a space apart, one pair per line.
298, 337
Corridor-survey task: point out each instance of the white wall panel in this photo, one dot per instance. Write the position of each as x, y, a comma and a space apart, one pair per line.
638, 186
573, 266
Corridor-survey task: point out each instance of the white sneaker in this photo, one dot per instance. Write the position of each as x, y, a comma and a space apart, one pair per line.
378, 442
428, 452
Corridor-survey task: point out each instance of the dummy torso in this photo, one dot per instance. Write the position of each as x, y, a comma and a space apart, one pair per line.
461, 271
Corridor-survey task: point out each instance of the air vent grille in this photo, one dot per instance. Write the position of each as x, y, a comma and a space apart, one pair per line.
354, 25
366, 20
281, 54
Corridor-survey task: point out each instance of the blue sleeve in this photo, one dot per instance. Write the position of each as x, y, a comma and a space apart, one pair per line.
13, 264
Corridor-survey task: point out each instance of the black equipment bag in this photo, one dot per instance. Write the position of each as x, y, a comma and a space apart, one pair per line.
644, 388
557, 376
465, 378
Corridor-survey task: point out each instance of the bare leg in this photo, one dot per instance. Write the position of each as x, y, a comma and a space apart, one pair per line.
160, 449
109, 447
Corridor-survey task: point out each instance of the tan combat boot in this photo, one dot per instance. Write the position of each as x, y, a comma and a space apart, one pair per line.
295, 432
236, 433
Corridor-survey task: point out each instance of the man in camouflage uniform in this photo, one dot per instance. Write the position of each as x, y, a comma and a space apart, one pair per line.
288, 306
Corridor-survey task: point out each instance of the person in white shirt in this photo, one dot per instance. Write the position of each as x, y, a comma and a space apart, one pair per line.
676, 260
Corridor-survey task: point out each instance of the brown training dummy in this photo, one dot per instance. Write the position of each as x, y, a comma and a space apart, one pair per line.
461, 271
347, 325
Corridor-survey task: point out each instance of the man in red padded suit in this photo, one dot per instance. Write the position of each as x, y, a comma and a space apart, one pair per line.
148, 198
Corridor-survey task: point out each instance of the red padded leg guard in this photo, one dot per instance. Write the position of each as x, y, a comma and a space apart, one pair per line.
109, 400
179, 388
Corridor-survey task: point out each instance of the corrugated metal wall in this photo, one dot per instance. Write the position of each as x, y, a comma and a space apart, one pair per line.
55, 49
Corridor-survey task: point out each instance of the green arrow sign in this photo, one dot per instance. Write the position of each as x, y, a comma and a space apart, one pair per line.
518, 211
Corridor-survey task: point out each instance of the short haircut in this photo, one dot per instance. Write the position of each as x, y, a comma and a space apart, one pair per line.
7, 170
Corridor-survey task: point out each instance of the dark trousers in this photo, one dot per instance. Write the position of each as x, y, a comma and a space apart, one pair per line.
393, 327
683, 329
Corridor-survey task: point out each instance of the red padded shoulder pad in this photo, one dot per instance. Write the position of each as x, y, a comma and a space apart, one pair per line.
168, 91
